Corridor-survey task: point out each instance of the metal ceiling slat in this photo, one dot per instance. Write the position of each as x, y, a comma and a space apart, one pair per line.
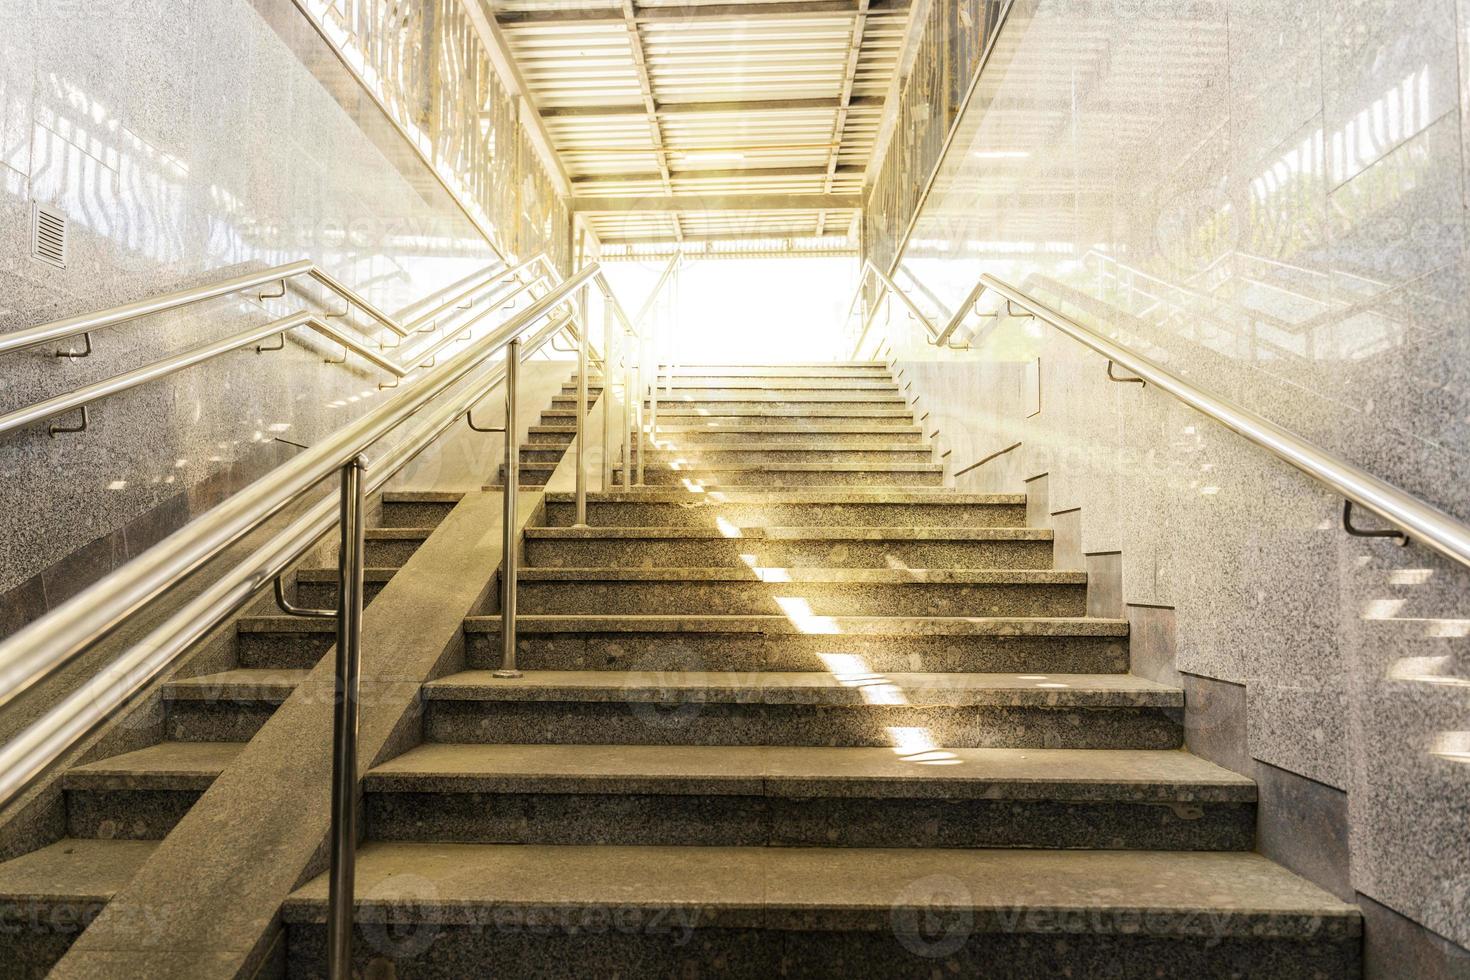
644, 99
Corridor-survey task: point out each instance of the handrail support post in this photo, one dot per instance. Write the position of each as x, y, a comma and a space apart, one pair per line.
511, 538
581, 436
350, 559
609, 345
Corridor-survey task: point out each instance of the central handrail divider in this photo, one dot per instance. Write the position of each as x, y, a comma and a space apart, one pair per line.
57, 639
1418, 519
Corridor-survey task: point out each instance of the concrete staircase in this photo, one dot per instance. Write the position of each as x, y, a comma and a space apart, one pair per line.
796, 709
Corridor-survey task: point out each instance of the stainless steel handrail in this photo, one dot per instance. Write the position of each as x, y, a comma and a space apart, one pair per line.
81, 398
50, 643
86, 323
889, 288
89, 322
1419, 520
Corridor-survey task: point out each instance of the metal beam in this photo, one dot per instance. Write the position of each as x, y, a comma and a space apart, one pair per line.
739, 236
697, 108
748, 172
692, 11
645, 86
718, 202
849, 75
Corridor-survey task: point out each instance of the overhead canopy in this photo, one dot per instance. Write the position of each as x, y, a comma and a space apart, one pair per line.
679, 121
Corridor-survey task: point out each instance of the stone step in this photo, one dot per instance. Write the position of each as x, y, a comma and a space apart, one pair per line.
282, 642
551, 435
684, 384
546, 454
853, 507
793, 475
714, 432
770, 547
851, 644
756, 453
830, 912
532, 475
790, 796
229, 706
842, 396
598, 707
392, 547
50, 895
802, 369
802, 592
416, 508
688, 414
140, 795
717, 435
317, 587
794, 402
827, 404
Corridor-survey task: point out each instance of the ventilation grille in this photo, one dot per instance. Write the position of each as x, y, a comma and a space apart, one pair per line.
48, 236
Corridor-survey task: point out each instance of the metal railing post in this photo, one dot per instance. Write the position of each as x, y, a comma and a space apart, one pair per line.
630, 398
608, 360
344, 723
643, 347
512, 538
652, 361
581, 520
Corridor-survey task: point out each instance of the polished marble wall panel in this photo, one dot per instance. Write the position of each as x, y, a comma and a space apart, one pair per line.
1269, 199
185, 142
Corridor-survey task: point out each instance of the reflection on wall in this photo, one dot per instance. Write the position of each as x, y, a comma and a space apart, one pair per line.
1270, 200
427, 64
181, 149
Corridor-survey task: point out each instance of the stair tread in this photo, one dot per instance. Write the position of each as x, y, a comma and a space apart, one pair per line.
849, 533
74, 869
830, 625
166, 766
398, 533
798, 447
422, 496
811, 687
883, 576
788, 887
788, 495
824, 429
863, 396
806, 771
372, 573
866, 467
284, 624
689, 410
252, 683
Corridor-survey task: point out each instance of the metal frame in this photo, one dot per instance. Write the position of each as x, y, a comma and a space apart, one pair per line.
88, 323
435, 403
460, 299
664, 116
1413, 517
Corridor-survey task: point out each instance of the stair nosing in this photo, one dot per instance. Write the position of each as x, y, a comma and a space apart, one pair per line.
812, 688
792, 771
1002, 626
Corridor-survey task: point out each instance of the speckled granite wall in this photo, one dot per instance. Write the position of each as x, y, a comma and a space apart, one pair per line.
184, 142
1270, 199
